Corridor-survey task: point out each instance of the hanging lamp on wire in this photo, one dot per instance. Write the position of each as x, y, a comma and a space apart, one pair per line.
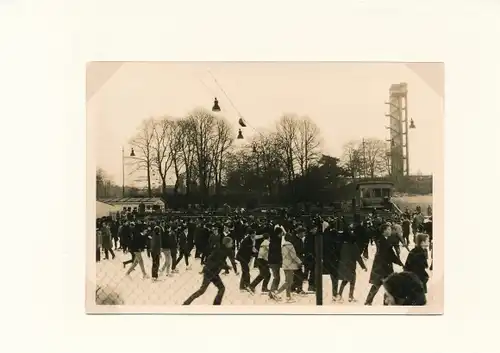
132, 153
216, 107
412, 124
240, 135
242, 122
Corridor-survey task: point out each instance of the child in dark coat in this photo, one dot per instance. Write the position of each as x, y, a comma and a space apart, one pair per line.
416, 261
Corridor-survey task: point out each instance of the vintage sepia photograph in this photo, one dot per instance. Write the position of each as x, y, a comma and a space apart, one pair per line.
266, 187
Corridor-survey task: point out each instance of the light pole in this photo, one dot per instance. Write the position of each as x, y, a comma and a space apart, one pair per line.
132, 155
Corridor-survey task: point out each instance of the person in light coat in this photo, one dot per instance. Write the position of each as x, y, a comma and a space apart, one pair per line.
290, 263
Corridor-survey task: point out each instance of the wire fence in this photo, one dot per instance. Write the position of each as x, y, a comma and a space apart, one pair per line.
333, 271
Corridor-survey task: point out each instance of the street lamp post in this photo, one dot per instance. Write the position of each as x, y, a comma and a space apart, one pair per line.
132, 155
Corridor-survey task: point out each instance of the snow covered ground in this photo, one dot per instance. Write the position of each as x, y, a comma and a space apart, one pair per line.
134, 290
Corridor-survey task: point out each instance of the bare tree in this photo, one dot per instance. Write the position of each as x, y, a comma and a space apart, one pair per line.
286, 130
143, 146
100, 179
203, 125
162, 142
352, 159
271, 162
176, 146
222, 142
306, 144
185, 138
374, 156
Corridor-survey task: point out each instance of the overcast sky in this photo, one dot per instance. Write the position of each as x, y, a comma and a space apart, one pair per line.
346, 100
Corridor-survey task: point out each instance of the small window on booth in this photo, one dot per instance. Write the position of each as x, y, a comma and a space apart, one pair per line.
386, 192
366, 193
377, 192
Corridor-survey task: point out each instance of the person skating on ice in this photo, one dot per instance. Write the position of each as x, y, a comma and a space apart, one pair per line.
382, 263
155, 247
416, 261
183, 248
350, 255
167, 242
297, 239
211, 271
262, 264
274, 257
137, 245
244, 255
290, 263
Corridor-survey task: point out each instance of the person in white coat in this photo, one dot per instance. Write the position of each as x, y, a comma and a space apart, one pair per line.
290, 263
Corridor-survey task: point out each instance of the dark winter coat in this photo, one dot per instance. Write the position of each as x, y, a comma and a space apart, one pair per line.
239, 231
191, 233
167, 241
114, 230
173, 243
138, 241
217, 260
106, 238
182, 239
245, 252
214, 241
382, 263
156, 244
349, 255
125, 236
309, 250
406, 225
275, 257
428, 229
298, 245
331, 251
416, 262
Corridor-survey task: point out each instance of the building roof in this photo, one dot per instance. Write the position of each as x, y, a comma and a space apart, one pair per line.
145, 200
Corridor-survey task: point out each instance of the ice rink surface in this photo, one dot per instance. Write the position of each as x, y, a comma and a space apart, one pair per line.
134, 290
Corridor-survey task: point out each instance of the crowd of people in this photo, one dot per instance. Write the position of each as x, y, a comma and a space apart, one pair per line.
280, 245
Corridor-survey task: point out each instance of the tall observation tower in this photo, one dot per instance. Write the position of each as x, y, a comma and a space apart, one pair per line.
398, 128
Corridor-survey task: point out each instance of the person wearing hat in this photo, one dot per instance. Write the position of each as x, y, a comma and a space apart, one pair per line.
211, 271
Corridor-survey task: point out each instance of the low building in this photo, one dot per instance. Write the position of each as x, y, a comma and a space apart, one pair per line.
131, 203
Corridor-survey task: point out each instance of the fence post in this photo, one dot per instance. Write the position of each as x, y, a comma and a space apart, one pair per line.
318, 271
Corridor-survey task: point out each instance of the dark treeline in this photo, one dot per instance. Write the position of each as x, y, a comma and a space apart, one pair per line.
283, 166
